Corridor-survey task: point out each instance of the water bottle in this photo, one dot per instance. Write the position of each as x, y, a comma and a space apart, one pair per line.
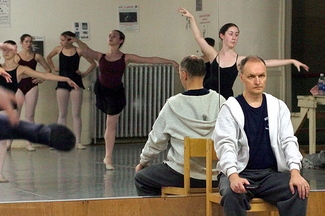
320, 84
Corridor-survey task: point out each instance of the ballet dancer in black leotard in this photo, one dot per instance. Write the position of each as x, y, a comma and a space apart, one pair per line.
227, 60
69, 58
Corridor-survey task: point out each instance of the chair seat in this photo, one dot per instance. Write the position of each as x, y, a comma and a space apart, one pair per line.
181, 191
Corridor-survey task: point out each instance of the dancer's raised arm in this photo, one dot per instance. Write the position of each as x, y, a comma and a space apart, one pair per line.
85, 49
132, 58
283, 62
209, 51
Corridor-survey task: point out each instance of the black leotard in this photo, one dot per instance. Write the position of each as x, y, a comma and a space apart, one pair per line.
13, 85
26, 84
227, 78
109, 89
68, 67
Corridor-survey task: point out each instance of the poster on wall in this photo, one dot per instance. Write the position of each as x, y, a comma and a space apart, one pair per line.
38, 44
4, 13
81, 29
204, 21
128, 18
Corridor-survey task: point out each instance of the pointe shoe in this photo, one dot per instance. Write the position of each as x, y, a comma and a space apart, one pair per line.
108, 166
30, 148
8, 147
3, 179
80, 146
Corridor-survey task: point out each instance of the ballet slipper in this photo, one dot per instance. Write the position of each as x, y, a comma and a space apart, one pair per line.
30, 148
80, 146
109, 166
8, 146
3, 179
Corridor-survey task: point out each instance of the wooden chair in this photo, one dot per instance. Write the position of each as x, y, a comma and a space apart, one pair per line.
257, 204
193, 147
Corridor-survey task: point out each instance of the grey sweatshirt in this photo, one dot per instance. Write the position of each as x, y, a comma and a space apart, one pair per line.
181, 116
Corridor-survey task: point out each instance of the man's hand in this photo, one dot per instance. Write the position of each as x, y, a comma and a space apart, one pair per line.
298, 181
237, 184
139, 167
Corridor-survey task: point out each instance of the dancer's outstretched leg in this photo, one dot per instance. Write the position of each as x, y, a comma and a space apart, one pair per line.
54, 135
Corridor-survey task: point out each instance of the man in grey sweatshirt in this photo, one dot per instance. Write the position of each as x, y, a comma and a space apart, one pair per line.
192, 113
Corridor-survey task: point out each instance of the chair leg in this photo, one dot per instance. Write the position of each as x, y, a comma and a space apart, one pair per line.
208, 208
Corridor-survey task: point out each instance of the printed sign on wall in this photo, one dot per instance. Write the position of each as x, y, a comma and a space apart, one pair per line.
81, 29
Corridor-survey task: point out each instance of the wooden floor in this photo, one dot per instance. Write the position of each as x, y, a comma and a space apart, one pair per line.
133, 206
51, 183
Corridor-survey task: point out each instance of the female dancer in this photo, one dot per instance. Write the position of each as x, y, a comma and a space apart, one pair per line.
69, 59
17, 72
28, 87
227, 60
109, 89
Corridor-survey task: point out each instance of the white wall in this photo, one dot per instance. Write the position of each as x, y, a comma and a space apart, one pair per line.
261, 33
162, 33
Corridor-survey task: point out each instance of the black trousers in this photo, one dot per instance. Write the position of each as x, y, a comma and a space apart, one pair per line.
150, 180
273, 188
36, 133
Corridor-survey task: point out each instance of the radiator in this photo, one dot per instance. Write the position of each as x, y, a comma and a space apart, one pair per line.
147, 87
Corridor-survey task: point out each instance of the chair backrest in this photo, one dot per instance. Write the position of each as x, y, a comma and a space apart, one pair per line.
210, 157
193, 147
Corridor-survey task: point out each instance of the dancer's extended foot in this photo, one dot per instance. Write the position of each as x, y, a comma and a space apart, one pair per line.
108, 163
8, 146
29, 147
3, 179
80, 146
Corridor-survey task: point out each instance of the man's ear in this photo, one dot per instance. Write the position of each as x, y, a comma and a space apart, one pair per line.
184, 74
241, 77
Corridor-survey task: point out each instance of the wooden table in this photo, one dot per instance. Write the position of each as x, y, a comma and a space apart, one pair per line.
308, 105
